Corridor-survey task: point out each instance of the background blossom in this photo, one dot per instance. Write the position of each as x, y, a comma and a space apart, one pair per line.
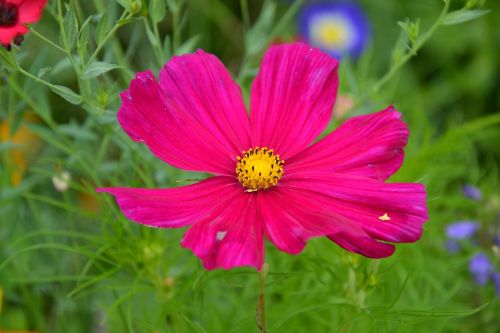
339, 28
15, 15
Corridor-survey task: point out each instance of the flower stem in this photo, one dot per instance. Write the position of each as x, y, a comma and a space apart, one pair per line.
48, 41
420, 41
261, 305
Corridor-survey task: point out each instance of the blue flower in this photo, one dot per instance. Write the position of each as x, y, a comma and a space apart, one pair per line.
471, 192
462, 229
480, 267
452, 246
337, 28
495, 277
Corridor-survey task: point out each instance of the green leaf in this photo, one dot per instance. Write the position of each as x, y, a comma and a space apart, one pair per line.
257, 36
405, 26
44, 71
102, 28
188, 46
125, 4
402, 43
62, 66
97, 68
167, 49
172, 5
70, 32
47, 135
81, 133
83, 39
157, 10
67, 94
461, 16
7, 58
151, 36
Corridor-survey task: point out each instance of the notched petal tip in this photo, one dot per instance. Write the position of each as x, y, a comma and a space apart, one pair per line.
366, 213
145, 76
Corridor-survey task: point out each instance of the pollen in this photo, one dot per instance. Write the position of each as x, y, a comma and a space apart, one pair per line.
259, 168
384, 218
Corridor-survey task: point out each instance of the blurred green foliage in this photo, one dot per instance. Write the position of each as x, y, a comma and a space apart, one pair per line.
70, 261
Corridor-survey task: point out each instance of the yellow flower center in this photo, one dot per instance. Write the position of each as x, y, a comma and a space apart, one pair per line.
333, 33
259, 168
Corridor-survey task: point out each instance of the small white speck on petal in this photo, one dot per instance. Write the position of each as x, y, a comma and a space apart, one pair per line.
384, 218
220, 235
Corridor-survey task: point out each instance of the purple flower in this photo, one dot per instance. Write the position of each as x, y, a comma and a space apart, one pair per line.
496, 240
480, 267
452, 246
337, 28
495, 277
462, 229
471, 192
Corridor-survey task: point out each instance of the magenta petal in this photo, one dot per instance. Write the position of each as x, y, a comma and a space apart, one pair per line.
202, 92
291, 218
368, 146
194, 119
392, 212
359, 242
230, 236
173, 207
292, 98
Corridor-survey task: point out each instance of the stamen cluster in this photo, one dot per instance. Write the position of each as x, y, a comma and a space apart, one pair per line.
259, 168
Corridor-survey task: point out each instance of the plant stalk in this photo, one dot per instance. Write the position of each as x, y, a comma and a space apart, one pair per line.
261, 304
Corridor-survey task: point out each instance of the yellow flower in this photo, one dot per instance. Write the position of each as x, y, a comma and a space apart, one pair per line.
27, 144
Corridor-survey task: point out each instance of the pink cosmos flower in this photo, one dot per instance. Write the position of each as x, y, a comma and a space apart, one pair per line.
15, 15
271, 180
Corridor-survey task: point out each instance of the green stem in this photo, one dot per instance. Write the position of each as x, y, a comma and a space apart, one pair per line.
117, 26
157, 48
278, 28
51, 123
261, 305
36, 78
245, 14
45, 39
176, 17
286, 19
410, 54
101, 8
